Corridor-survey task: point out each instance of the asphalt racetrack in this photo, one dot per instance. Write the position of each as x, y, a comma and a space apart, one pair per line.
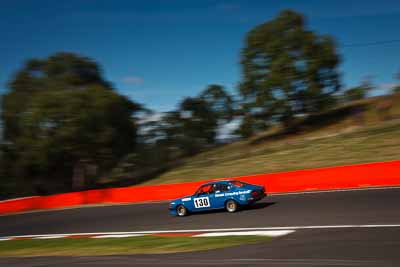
316, 246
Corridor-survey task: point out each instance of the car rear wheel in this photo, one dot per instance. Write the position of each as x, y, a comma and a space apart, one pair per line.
231, 206
181, 210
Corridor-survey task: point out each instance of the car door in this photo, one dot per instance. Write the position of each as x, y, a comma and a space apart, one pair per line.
204, 199
220, 195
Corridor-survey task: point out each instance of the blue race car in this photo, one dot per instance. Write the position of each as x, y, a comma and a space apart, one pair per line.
229, 194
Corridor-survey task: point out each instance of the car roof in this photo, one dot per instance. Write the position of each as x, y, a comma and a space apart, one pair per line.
220, 182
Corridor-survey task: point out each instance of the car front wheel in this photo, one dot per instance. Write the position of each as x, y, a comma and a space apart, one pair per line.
181, 210
231, 206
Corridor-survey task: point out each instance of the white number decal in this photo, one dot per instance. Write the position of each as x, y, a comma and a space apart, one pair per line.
201, 202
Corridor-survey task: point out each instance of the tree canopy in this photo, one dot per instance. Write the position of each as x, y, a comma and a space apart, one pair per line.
219, 101
359, 92
287, 70
60, 112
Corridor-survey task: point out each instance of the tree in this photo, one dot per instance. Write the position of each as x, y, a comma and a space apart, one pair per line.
187, 130
219, 102
359, 92
165, 134
198, 124
246, 127
62, 71
61, 118
287, 70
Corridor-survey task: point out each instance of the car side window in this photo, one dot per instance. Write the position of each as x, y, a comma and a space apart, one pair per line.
206, 189
222, 188
225, 187
213, 189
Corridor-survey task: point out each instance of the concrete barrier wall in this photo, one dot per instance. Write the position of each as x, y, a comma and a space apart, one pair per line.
342, 177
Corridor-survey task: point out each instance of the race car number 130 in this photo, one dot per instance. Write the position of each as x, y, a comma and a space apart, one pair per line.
201, 202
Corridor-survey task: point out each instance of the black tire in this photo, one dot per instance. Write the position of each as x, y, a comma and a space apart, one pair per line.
181, 211
231, 206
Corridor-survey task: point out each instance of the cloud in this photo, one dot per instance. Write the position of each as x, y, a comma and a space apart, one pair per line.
388, 86
383, 88
226, 130
135, 80
155, 116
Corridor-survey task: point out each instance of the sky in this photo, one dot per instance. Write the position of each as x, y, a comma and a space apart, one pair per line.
159, 51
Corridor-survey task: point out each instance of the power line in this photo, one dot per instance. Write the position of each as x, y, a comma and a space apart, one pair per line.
371, 43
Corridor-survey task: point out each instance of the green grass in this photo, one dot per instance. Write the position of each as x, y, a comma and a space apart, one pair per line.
338, 138
119, 246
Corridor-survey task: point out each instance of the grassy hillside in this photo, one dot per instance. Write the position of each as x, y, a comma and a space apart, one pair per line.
355, 133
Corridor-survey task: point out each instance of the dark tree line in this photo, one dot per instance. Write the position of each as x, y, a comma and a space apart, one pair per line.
65, 127
61, 119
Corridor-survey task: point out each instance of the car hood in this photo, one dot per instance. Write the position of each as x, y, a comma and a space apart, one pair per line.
179, 200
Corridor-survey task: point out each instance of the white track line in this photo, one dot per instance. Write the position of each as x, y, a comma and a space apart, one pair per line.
219, 230
50, 237
117, 236
270, 233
